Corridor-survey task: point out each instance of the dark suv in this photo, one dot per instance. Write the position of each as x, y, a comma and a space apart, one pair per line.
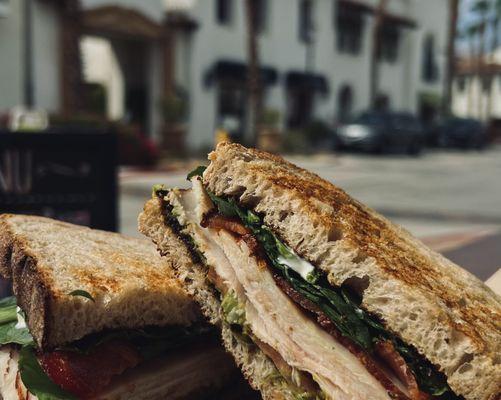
466, 133
383, 131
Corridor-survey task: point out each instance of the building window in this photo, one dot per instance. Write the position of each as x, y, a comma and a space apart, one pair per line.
486, 83
429, 67
4, 7
461, 82
299, 107
231, 108
305, 20
345, 104
261, 15
224, 11
382, 102
349, 29
389, 43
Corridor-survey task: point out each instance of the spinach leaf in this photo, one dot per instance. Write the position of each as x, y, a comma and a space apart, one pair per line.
225, 207
82, 293
350, 322
35, 379
198, 171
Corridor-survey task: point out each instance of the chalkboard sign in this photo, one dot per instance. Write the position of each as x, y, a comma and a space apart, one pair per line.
66, 176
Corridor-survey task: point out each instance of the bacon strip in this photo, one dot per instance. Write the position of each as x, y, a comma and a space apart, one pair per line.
218, 221
85, 375
387, 352
235, 226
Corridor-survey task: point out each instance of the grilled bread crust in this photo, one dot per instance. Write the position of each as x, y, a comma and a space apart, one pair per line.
449, 315
131, 285
257, 368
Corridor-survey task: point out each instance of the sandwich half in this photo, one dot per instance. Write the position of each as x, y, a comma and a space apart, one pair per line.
318, 296
96, 315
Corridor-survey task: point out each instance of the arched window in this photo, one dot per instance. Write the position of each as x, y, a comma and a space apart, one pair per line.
429, 71
344, 103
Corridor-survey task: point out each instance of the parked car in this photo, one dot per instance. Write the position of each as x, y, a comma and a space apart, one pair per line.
465, 133
379, 132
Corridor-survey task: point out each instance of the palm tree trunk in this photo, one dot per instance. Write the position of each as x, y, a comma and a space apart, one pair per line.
71, 63
253, 78
472, 75
492, 59
451, 55
374, 64
481, 70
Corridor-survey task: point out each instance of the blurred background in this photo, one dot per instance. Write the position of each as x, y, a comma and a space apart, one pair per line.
397, 101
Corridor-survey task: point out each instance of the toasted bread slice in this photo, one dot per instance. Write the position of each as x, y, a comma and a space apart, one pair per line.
47, 260
257, 368
450, 316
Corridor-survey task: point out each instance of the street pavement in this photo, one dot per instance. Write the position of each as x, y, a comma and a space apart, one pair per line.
445, 197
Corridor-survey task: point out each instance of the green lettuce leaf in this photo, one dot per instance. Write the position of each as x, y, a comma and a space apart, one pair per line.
35, 379
198, 171
8, 307
8, 321
10, 334
233, 312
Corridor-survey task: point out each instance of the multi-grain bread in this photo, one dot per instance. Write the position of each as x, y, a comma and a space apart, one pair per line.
47, 260
447, 314
258, 369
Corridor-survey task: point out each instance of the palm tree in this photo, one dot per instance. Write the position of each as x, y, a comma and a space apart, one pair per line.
451, 55
481, 8
376, 47
71, 74
496, 16
471, 33
253, 79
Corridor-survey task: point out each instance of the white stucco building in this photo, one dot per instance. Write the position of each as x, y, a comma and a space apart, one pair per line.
45, 50
476, 90
336, 67
315, 58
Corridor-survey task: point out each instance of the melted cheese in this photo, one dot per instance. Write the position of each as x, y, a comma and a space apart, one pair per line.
302, 267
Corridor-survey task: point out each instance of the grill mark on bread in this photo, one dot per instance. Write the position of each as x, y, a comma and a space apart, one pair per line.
105, 284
